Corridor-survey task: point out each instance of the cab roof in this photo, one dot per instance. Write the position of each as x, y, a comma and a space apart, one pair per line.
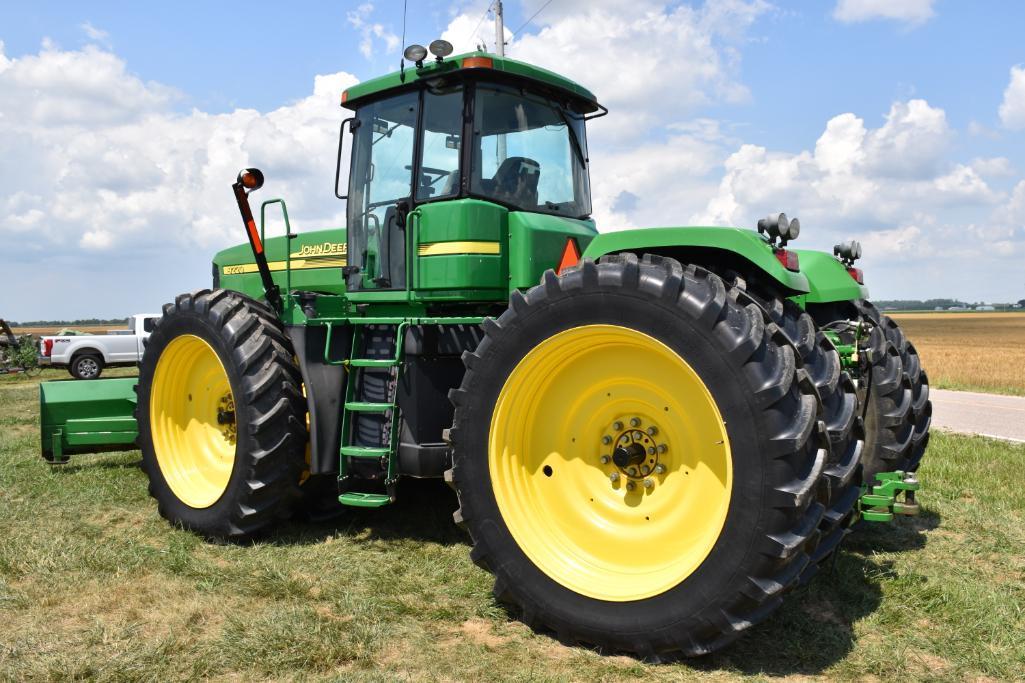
477, 62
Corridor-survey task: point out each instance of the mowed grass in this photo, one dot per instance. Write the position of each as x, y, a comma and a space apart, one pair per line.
94, 585
970, 351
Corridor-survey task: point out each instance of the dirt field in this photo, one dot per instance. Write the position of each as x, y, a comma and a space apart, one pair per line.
92, 329
970, 351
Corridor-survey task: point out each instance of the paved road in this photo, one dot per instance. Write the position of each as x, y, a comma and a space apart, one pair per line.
1002, 417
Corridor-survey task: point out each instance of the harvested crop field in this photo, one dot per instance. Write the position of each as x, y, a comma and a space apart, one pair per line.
970, 351
91, 329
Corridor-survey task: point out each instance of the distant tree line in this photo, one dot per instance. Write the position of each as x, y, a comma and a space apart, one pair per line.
82, 322
932, 304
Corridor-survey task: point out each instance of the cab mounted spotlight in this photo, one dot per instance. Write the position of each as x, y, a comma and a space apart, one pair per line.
416, 54
848, 252
440, 49
775, 225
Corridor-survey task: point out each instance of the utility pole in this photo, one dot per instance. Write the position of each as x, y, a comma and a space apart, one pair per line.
499, 30
501, 151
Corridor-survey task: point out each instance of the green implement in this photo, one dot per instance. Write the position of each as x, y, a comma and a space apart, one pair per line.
86, 417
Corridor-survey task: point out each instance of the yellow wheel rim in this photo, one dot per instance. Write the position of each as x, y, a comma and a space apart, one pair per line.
194, 448
603, 524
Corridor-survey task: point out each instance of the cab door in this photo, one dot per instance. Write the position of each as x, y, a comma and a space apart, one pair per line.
380, 192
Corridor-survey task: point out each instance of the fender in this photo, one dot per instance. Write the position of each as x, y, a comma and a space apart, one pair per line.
828, 279
84, 347
734, 248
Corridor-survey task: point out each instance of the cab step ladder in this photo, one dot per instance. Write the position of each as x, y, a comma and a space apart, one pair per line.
387, 455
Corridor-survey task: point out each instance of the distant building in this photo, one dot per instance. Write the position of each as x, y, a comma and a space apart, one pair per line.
985, 308
957, 308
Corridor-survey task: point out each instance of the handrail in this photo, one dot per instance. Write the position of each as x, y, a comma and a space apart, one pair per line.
289, 236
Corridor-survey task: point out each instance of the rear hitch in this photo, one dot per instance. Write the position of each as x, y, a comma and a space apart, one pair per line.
882, 501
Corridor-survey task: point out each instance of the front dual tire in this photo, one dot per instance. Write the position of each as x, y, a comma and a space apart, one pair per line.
221, 415
683, 564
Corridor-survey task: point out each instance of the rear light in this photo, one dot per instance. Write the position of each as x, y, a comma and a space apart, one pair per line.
570, 256
858, 276
345, 96
788, 259
47, 347
478, 63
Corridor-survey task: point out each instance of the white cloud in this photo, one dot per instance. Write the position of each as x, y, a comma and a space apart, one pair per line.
690, 48
910, 11
371, 31
93, 33
993, 166
1012, 109
894, 185
93, 158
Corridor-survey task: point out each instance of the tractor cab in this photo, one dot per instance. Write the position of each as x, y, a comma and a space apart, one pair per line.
445, 156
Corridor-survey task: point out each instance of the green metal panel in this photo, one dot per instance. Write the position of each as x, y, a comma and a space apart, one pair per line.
86, 417
537, 241
747, 244
828, 279
433, 69
461, 244
316, 260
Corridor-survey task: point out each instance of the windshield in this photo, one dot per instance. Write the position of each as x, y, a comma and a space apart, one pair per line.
530, 153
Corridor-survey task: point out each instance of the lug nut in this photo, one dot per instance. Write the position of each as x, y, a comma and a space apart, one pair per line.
614, 477
648, 483
606, 439
617, 426
651, 450
632, 471
630, 486
635, 422
652, 431
660, 469
605, 460
662, 448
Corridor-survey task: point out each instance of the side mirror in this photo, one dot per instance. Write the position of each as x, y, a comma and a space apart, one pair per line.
251, 179
352, 124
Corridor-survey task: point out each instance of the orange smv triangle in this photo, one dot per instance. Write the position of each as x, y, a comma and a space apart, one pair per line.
570, 256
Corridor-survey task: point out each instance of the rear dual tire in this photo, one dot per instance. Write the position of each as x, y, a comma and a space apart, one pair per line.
840, 488
776, 451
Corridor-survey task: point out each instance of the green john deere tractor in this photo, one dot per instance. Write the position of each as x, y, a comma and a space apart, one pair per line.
654, 434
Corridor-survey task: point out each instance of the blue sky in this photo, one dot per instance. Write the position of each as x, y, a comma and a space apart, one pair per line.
898, 122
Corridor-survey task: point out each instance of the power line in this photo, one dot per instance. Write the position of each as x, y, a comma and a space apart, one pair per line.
532, 17
482, 16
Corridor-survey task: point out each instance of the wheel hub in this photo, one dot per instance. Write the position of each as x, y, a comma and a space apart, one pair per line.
636, 447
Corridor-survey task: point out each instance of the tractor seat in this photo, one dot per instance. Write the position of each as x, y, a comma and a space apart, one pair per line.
516, 181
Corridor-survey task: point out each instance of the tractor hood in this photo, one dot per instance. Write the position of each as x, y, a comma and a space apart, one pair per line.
315, 258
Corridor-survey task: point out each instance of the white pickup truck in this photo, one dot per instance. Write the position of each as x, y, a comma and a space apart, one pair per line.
85, 355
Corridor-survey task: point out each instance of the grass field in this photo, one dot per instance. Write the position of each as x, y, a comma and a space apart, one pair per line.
970, 351
94, 585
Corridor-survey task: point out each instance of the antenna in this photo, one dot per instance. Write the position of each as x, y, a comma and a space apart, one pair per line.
402, 61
